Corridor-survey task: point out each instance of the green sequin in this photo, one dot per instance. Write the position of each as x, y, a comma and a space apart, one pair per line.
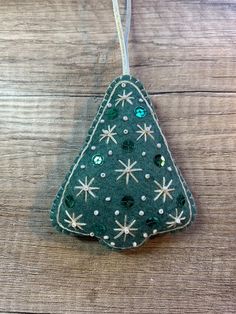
128, 146
99, 229
111, 113
152, 221
69, 201
159, 160
97, 159
127, 201
180, 201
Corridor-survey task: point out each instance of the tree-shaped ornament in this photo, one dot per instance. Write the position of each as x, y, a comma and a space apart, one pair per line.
124, 186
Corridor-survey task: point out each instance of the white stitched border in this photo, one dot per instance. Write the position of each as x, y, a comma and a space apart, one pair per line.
85, 148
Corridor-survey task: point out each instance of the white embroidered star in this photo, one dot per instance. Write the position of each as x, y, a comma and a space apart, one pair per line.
128, 171
144, 132
177, 219
124, 98
125, 229
164, 190
73, 222
108, 134
86, 188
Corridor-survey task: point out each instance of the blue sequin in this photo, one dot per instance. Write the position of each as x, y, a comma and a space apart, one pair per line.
140, 112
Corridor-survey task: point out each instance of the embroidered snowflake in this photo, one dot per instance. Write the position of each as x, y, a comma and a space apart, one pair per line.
125, 229
164, 190
108, 134
86, 188
74, 221
145, 132
128, 171
122, 99
177, 219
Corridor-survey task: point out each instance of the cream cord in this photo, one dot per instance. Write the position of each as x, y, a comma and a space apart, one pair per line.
123, 39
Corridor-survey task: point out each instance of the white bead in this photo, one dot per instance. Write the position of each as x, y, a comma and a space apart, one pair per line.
155, 231
96, 212
106, 237
169, 169
145, 235
112, 243
108, 199
93, 147
161, 211
102, 175
144, 154
134, 244
73, 224
125, 118
102, 121
123, 85
109, 105
141, 213
158, 145
110, 152
140, 100
147, 176
91, 234
125, 131
143, 198
117, 212
82, 166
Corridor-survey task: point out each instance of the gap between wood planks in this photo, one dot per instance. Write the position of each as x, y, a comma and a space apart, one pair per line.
23, 312
102, 94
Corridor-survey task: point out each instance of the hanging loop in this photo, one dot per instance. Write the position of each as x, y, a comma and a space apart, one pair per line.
123, 38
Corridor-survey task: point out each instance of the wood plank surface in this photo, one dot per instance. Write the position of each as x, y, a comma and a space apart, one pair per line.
56, 60
70, 47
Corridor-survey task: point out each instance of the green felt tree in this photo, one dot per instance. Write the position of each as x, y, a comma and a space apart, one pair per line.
124, 186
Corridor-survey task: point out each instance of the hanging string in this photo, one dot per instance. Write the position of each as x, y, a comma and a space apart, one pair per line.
123, 39
127, 25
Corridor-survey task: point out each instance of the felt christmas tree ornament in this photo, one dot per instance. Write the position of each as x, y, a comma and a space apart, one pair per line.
124, 186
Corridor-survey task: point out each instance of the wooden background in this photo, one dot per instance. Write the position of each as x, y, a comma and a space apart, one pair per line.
56, 59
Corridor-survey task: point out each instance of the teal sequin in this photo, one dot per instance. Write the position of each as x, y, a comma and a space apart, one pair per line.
140, 112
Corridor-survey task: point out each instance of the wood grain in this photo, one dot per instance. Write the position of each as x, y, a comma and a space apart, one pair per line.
52, 47
56, 59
